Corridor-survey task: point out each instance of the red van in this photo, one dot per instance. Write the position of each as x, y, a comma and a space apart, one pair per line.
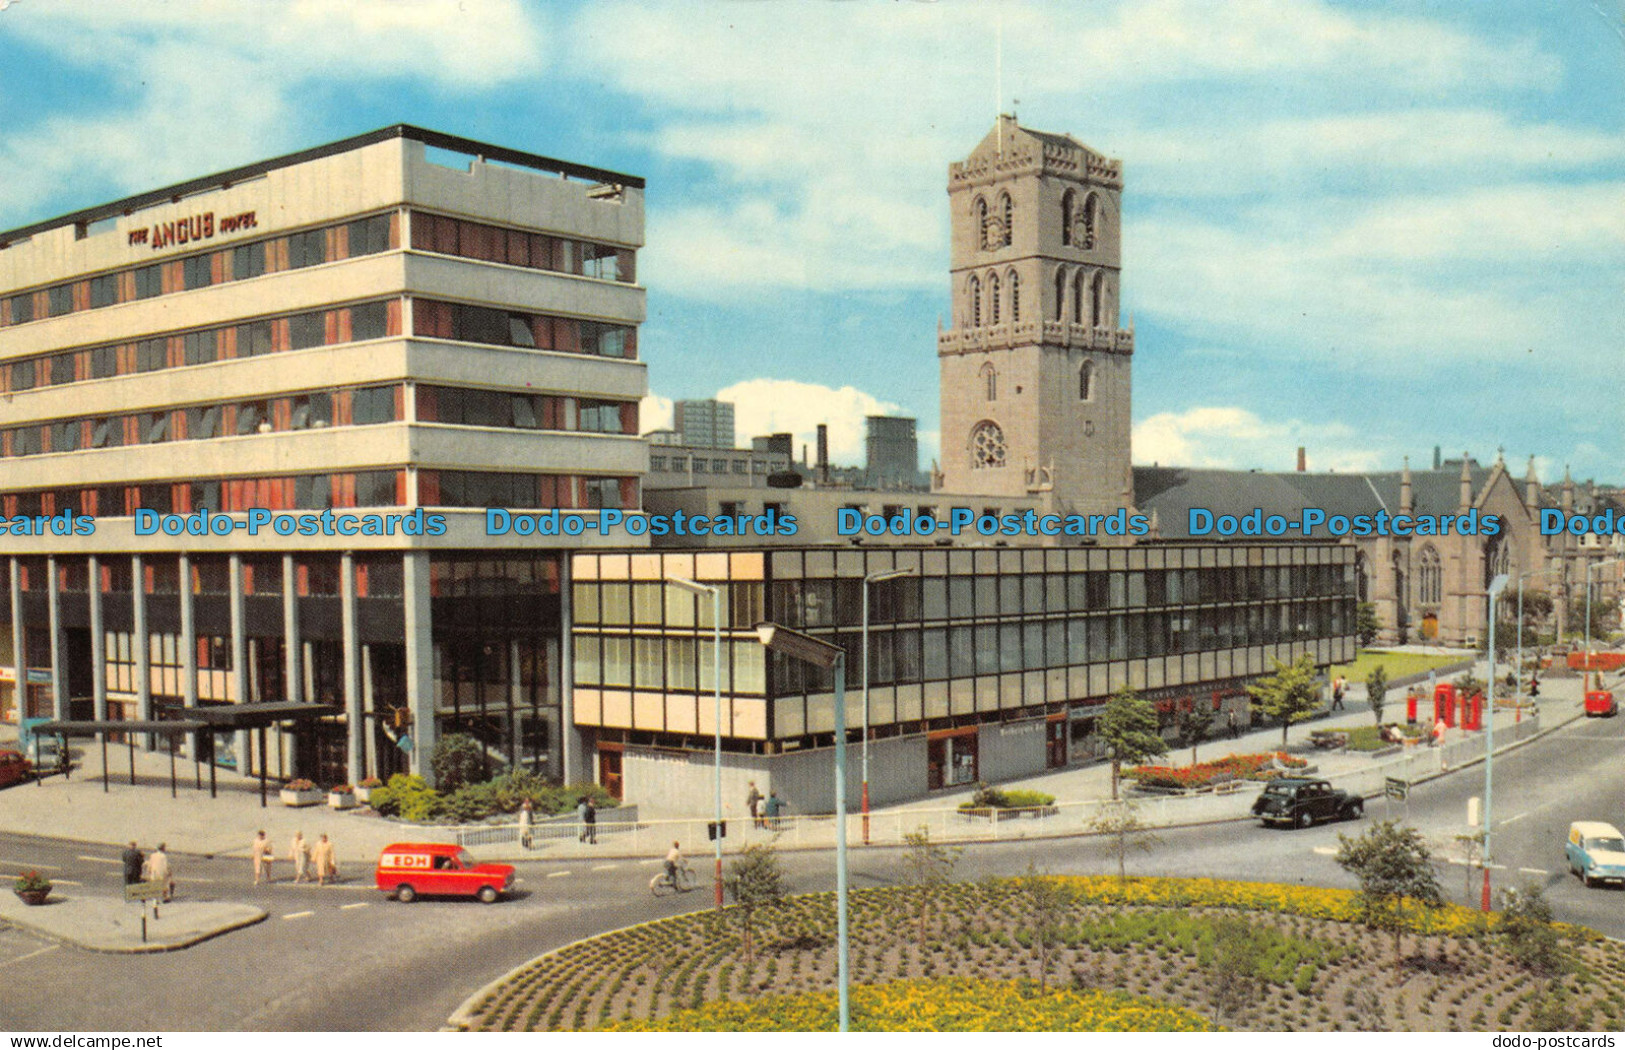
409, 870
14, 768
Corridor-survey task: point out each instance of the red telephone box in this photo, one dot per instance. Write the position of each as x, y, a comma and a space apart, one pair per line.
1472, 712
1444, 703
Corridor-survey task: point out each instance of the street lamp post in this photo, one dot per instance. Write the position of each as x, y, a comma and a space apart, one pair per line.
819, 653
872, 578
1518, 667
716, 683
1497, 585
1589, 569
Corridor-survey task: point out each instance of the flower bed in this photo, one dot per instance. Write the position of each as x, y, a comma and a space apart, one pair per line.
1004, 805
1204, 775
944, 1005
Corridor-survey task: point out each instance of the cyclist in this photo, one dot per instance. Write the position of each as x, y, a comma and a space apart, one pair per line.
674, 860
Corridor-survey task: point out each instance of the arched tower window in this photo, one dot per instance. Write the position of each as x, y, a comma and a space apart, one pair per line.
1086, 381
990, 378
1060, 294
1362, 588
1097, 300
973, 291
986, 446
1007, 211
995, 294
1497, 559
1015, 297
1078, 298
981, 222
1069, 208
1091, 222
1429, 577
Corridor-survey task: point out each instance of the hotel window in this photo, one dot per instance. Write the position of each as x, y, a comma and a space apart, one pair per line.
600, 261
154, 430
719, 466
62, 369
307, 330
22, 375
149, 281
603, 492
195, 272
312, 492
60, 300
375, 488
22, 308
254, 418
254, 339
374, 404
206, 495
248, 260
699, 465
311, 411
201, 347
369, 321
307, 249
739, 466
103, 290
158, 498
107, 432
202, 421
369, 236
605, 340
65, 436
657, 463
151, 355
104, 362
519, 333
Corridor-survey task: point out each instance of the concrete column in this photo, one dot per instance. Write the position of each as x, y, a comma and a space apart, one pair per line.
419, 632
293, 679
19, 639
188, 649
575, 759
369, 704
98, 640
239, 663
516, 705
59, 659
356, 751
140, 642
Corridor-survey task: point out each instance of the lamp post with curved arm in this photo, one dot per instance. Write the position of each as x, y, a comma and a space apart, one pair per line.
716, 683
872, 578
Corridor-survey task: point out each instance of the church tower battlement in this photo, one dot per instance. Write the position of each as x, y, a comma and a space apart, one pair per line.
1034, 370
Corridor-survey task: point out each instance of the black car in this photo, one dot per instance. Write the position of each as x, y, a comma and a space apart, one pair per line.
1300, 801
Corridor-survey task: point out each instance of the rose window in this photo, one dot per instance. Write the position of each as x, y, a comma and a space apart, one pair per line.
987, 445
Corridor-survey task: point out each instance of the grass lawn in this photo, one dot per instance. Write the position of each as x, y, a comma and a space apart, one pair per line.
1396, 664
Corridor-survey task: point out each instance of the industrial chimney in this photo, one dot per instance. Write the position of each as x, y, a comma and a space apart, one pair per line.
1303, 460
823, 454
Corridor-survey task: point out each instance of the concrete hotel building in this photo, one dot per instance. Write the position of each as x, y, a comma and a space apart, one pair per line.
397, 321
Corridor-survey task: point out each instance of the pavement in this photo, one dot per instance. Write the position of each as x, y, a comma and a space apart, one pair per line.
85, 809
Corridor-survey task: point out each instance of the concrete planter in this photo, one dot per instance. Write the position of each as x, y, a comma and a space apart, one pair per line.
293, 797
341, 799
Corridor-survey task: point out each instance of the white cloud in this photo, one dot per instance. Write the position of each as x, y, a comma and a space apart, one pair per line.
770, 406
655, 413
198, 85
1229, 437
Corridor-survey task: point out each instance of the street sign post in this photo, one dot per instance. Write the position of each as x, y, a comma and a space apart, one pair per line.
143, 892
1396, 789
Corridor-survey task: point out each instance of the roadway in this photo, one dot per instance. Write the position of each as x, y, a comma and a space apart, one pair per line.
345, 958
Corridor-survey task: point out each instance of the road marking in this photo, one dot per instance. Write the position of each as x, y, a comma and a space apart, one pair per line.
557, 874
1325, 851
98, 860
193, 879
606, 867
1520, 816
299, 915
30, 955
358, 904
29, 866
1534, 871
59, 882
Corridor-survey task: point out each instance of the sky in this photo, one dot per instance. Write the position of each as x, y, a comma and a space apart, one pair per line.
1367, 229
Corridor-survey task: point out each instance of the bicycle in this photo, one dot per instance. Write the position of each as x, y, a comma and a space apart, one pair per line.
663, 885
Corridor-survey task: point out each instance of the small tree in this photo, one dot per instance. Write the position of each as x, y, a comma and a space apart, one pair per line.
1290, 693
458, 759
1128, 725
1367, 624
1195, 722
1237, 955
1394, 866
755, 881
1120, 825
1376, 690
928, 867
1531, 939
1047, 904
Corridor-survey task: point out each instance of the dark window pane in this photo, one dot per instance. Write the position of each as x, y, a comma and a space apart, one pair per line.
202, 347
103, 290
369, 236
103, 362
254, 339
307, 249
149, 281
151, 355
307, 330
61, 369
64, 436
368, 321
248, 260
22, 375
22, 308
195, 271
372, 405
60, 299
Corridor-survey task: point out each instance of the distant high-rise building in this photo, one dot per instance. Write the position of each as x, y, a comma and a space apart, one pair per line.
705, 424
893, 452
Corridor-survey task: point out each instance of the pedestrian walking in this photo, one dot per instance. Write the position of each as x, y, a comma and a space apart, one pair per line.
592, 822
157, 869
772, 808
753, 803
1233, 722
261, 853
299, 853
321, 858
581, 818
1338, 685
527, 813
133, 863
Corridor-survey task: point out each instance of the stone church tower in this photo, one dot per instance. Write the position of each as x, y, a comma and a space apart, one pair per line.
1035, 372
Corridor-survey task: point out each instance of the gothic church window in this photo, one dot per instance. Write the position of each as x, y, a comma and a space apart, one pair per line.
994, 295
1086, 381
981, 223
990, 377
1097, 301
1015, 297
1009, 214
1069, 206
974, 291
1077, 298
986, 446
1429, 577
1090, 222
1060, 294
